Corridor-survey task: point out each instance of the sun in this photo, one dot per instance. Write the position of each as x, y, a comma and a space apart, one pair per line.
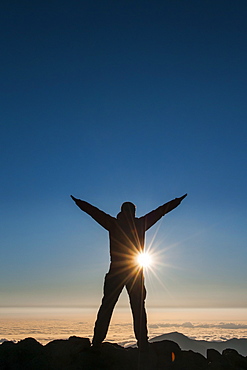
144, 259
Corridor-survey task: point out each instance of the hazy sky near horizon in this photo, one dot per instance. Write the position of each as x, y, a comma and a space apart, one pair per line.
123, 100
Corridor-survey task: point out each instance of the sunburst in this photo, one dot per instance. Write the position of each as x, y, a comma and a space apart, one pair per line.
144, 260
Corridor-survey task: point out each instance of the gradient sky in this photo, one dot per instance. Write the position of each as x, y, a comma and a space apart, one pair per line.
115, 101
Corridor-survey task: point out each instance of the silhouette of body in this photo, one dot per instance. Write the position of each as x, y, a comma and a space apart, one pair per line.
127, 235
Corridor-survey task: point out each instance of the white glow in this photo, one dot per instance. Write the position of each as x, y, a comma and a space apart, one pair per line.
144, 260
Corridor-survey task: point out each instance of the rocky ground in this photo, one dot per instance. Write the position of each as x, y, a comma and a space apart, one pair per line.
76, 354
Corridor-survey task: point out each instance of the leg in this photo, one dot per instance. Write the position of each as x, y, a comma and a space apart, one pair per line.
137, 294
112, 289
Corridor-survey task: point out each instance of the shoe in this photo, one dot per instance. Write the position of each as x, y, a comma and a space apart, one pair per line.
143, 347
95, 348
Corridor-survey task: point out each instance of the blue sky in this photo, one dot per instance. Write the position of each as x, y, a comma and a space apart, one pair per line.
123, 100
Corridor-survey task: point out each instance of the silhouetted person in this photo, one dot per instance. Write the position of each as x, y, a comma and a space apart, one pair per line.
127, 234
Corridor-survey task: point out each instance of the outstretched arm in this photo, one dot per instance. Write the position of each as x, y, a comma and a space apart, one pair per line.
101, 217
152, 217
167, 207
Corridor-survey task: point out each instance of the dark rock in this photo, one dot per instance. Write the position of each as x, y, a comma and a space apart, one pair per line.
234, 360
7, 355
213, 355
164, 354
192, 361
63, 354
76, 354
20, 355
114, 356
215, 360
7, 345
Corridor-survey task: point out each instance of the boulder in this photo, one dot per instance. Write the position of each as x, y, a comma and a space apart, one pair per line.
192, 361
77, 354
20, 355
64, 354
234, 360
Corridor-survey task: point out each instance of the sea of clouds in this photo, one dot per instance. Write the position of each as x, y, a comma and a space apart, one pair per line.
220, 325
48, 330
47, 324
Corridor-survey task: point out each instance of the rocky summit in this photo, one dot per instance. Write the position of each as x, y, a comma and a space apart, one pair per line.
77, 354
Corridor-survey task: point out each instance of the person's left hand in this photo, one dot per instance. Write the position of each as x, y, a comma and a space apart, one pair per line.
181, 198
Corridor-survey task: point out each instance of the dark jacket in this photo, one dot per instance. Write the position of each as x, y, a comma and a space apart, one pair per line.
126, 232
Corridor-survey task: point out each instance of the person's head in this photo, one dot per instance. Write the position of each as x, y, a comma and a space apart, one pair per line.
128, 208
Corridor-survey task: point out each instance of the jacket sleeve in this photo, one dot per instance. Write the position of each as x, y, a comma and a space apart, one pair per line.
101, 217
152, 217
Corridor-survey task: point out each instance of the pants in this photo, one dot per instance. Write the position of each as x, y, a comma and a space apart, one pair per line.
113, 286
